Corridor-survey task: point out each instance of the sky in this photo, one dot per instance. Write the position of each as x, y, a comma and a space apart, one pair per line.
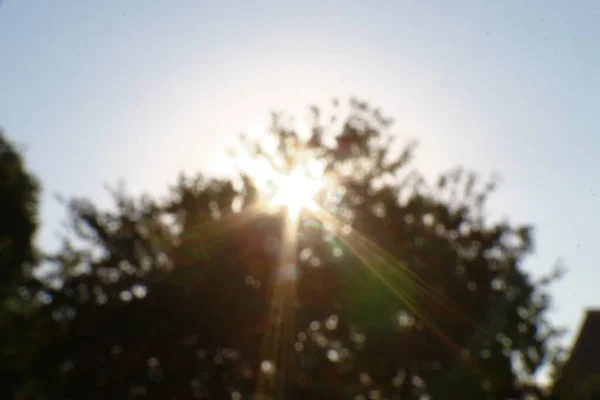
98, 91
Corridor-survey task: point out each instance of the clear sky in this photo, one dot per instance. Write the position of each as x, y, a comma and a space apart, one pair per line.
140, 90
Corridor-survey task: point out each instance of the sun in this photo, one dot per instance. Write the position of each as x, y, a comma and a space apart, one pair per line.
295, 191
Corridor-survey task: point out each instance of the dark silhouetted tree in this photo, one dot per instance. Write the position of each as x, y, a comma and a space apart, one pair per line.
19, 321
18, 213
388, 288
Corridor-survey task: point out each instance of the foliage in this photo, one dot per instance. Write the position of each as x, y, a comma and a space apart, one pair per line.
398, 289
19, 193
18, 214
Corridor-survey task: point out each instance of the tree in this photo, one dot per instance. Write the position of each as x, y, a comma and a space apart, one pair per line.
19, 192
18, 213
386, 288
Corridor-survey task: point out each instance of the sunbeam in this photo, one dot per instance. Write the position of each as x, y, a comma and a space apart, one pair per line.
295, 192
292, 193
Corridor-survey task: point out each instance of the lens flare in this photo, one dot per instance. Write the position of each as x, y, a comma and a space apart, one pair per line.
295, 191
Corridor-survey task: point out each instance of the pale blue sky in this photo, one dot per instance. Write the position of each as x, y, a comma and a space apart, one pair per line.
102, 90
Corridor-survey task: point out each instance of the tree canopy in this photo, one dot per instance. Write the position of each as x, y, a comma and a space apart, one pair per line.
385, 287
18, 213
19, 193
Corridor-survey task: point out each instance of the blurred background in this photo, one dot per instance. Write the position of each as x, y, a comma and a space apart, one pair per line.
95, 92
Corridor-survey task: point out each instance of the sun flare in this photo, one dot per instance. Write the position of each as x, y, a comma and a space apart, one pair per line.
295, 191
